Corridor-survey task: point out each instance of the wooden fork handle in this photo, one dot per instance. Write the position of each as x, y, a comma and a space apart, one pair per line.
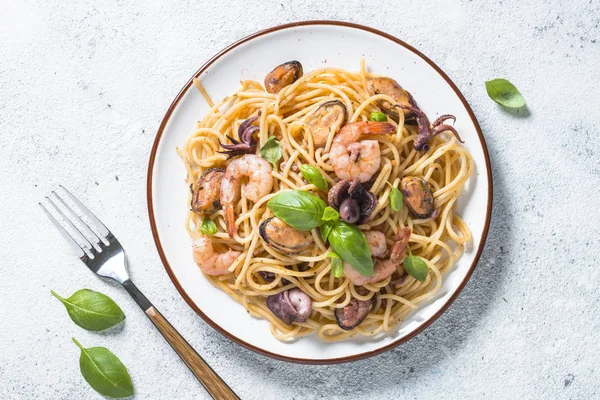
213, 384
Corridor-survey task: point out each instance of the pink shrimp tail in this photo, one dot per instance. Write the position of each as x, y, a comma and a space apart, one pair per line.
400, 244
229, 219
378, 128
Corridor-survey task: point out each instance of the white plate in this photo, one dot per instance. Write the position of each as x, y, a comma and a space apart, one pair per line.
315, 44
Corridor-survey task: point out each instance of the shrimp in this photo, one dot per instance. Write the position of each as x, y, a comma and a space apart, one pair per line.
378, 247
209, 261
351, 158
377, 243
260, 183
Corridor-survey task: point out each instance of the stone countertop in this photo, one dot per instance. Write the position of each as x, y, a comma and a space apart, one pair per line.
83, 88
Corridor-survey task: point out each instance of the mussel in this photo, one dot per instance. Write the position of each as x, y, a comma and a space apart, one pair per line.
283, 75
206, 193
418, 196
350, 316
388, 86
328, 117
283, 237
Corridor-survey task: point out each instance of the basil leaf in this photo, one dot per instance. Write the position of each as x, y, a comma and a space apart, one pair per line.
337, 266
92, 310
312, 175
416, 267
350, 243
298, 208
395, 198
330, 214
208, 227
105, 373
378, 116
325, 230
271, 151
505, 93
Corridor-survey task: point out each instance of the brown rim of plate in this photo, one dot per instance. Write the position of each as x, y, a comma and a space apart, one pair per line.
164, 258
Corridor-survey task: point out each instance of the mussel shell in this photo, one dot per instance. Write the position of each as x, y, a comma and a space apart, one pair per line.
206, 193
283, 237
283, 75
418, 196
388, 86
328, 117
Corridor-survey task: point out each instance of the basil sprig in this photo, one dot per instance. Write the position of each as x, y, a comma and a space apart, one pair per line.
305, 211
378, 116
92, 310
395, 198
330, 214
337, 266
271, 151
312, 175
505, 93
105, 373
351, 244
208, 226
416, 267
300, 209
325, 230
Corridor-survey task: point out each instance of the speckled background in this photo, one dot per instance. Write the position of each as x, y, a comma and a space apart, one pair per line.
83, 87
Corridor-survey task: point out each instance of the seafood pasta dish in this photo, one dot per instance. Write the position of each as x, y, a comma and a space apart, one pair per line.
324, 202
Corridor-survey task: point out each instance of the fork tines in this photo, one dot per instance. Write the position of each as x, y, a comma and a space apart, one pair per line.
78, 225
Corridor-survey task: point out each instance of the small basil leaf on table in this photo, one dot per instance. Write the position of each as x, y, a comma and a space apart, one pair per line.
271, 151
330, 214
298, 209
312, 175
395, 198
92, 310
505, 93
337, 266
378, 116
325, 230
105, 373
350, 244
208, 227
416, 267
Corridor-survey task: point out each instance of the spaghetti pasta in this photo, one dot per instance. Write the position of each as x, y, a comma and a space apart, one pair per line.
438, 240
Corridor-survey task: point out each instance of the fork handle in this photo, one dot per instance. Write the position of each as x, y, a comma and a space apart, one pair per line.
212, 382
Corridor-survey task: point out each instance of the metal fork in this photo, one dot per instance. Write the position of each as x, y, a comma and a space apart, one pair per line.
103, 254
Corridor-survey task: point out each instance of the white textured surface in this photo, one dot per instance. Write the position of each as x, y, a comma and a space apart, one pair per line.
83, 87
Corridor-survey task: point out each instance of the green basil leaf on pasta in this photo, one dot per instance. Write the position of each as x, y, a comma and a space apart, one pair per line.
378, 116
395, 198
271, 151
349, 242
312, 175
104, 372
208, 227
325, 230
337, 265
416, 267
299, 209
92, 310
330, 214
505, 93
